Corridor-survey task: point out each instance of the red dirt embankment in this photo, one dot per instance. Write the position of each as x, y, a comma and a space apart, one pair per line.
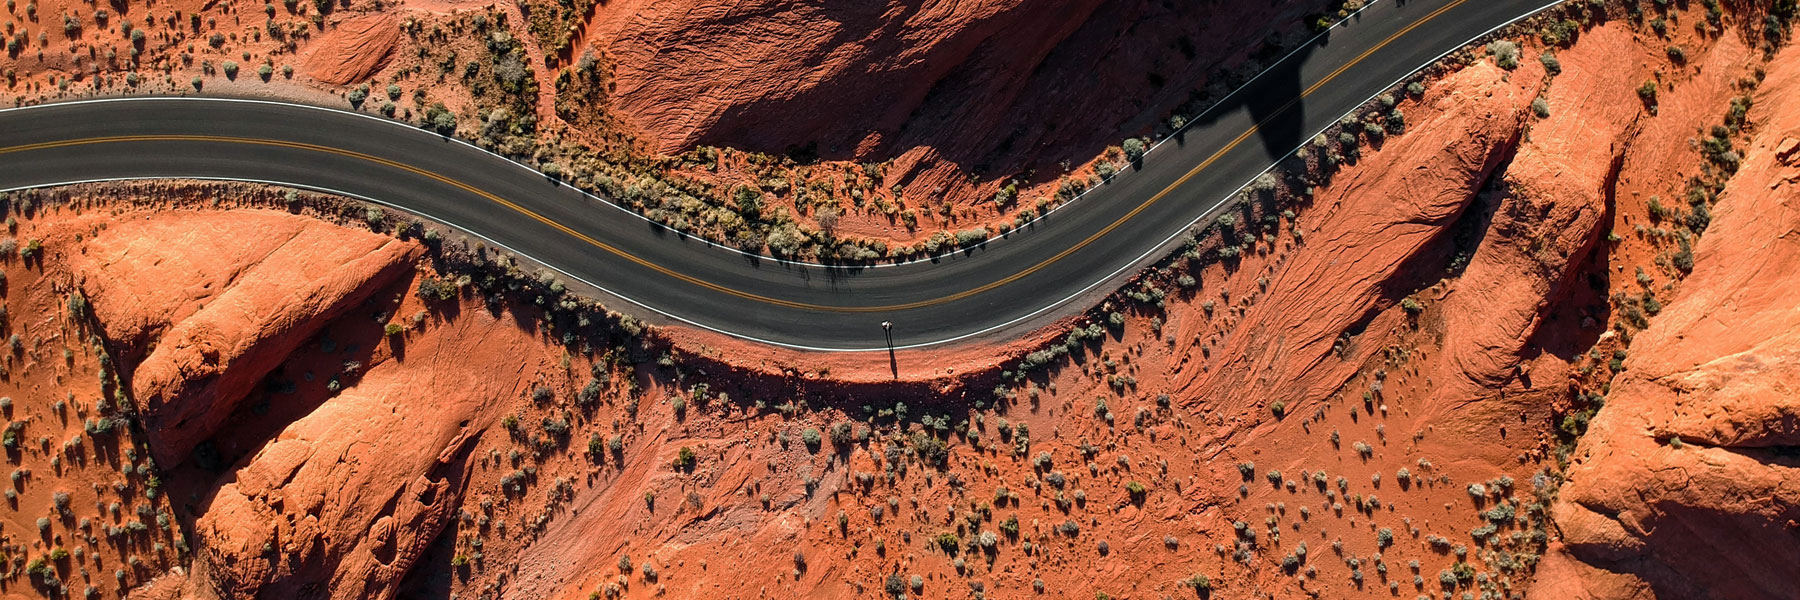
1685, 485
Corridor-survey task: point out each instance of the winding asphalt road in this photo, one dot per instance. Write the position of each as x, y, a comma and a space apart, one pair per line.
1058, 265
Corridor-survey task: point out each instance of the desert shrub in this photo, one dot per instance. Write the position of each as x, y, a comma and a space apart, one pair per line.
1683, 258
1136, 491
1506, 54
930, 450
810, 436
1647, 92
557, 428
841, 436
1134, 149
589, 394
439, 118
684, 459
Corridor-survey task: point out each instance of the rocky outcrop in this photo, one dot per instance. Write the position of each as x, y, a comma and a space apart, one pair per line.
206, 303
1361, 254
1686, 485
957, 82
353, 49
350, 494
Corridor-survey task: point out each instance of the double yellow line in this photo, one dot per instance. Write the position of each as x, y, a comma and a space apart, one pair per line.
1146, 204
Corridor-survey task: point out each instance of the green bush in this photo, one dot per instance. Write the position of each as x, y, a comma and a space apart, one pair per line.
684, 459
1647, 92
1506, 54
589, 394
1134, 149
440, 119
842, 436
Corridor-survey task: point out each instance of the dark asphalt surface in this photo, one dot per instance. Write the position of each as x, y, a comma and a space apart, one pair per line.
1034, 275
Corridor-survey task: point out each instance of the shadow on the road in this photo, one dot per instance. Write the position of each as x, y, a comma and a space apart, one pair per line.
1273, 101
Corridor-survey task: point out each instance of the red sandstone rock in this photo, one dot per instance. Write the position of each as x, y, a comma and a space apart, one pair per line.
212, 301
1712, 516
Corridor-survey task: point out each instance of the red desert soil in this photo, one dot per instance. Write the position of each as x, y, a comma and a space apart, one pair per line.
85, 506
1364, 404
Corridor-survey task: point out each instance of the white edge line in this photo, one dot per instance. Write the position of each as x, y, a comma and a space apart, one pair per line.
1160, 248
783, 261
428, 216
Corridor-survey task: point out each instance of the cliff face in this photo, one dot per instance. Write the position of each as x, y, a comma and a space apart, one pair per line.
206, 305
959, 95
1686, 485
988, 82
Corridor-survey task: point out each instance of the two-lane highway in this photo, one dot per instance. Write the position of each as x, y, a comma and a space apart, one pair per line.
1056, 266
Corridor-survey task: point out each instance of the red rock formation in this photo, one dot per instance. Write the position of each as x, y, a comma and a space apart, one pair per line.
1714, 515
207, 303
351, 493
969, 83
353, 49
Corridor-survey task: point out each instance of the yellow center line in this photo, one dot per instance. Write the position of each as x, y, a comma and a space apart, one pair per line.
739, 293
460, 185
1197, 168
